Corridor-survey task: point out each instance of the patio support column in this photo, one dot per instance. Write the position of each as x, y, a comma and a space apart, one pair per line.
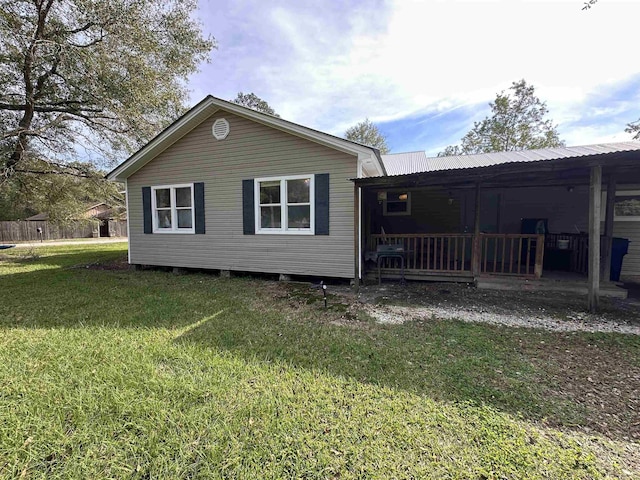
608, 228
595, 192
356, 237
475, 253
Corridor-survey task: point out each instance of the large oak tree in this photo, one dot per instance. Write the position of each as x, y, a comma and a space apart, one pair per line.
89, 81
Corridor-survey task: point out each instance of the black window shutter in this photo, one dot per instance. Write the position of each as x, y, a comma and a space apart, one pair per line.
198, 196
146, 210
322, 203
248, 211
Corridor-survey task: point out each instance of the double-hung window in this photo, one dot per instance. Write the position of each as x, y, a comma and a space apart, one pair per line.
173, 210
285, 204
397, 203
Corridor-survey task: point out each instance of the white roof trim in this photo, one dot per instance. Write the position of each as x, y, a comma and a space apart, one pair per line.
191, 119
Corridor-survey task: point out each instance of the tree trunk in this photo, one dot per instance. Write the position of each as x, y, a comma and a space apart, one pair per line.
24, 125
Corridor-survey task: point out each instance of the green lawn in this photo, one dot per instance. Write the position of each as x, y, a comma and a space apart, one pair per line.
108, 373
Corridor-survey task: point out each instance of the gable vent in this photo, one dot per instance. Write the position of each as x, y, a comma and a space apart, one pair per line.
220, 129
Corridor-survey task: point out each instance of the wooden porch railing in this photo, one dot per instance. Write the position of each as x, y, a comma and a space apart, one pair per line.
511, 254
429, 252
500, 254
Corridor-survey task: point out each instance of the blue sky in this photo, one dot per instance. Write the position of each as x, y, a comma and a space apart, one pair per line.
424, 71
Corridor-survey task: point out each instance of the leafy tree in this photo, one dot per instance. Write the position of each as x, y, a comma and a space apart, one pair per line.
634, 128
62, 196
87, 79
517, 123
367, 133
254, 102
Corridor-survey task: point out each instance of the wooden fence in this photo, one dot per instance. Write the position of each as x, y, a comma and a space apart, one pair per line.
22, 231
118, 228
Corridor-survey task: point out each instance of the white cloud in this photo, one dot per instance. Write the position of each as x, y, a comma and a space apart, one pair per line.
386, 61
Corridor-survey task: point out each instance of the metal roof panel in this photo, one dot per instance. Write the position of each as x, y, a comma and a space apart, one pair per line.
418, 162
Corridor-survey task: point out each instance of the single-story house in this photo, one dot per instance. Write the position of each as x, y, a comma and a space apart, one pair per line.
228, 188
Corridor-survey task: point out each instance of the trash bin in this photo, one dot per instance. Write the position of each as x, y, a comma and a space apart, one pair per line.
619, 248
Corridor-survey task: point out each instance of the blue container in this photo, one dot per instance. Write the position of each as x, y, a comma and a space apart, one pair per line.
619, 248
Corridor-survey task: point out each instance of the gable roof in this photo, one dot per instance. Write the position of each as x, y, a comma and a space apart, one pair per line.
106, 213
418, 162
369, 156
38, 217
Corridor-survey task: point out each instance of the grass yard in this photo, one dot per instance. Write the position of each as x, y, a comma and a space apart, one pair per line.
111, 373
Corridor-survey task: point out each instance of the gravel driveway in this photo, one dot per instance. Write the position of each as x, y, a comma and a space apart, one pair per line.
395, 304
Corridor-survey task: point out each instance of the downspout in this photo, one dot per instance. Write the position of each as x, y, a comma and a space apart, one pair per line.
360, 215
126, 202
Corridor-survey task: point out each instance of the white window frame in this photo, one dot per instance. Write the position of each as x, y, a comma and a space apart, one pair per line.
618, 218
284, 210
623, 218
174, 209
397, 214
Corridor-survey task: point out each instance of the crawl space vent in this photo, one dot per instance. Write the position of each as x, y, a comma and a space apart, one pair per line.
220, 129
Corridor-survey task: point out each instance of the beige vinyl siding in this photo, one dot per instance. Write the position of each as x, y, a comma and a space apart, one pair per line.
251, 150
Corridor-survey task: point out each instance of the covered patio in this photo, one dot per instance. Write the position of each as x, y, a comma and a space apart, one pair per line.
537, 218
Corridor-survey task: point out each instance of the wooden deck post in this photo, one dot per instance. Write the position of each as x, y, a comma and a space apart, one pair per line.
356, 237
539, 256
605, 270
595, 192
476, 246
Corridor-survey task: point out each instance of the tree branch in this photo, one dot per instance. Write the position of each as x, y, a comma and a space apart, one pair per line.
53, 172
73, 31
45, 76
90, 44
55, 107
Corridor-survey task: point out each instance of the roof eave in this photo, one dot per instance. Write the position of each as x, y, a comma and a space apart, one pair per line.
607, 159
119, 173
147, 153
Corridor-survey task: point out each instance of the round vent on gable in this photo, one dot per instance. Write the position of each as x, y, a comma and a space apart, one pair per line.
220, 129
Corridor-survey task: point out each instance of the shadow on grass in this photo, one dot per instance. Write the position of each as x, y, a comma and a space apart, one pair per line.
513, 370
445, 360
59, 291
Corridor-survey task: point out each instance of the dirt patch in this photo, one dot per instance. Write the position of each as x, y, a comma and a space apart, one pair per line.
595, 376
119, 264
342, 307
